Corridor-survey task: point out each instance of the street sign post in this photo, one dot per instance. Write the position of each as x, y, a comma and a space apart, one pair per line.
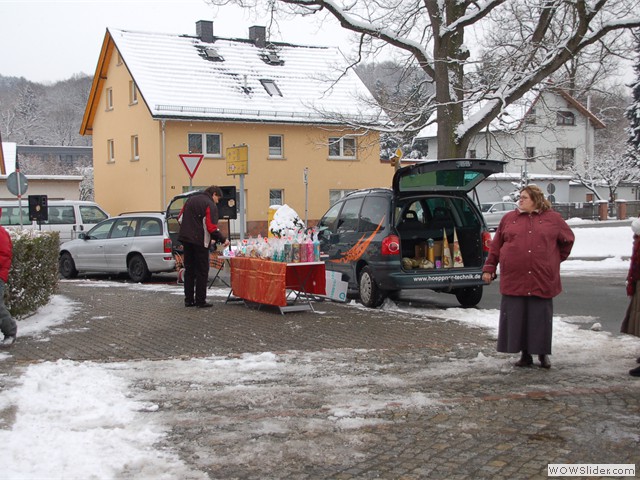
18, 185
191, 162
238, 164
238, 160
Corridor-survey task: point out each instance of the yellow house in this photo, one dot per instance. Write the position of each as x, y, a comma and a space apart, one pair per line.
158, 96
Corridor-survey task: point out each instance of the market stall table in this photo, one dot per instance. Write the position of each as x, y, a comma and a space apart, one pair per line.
288, 286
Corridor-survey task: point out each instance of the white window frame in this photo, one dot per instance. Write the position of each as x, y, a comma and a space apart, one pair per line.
530, 153
133, 93
561, 158
276, 192
109, 98
279, 153
339, 142
111, 151
565, 118
203, 142
135, 148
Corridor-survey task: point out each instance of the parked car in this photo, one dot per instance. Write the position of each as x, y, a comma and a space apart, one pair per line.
68, 217
135, 243
493, 212
377, 238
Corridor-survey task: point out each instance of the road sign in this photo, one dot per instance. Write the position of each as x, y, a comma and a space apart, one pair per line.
238, 160
17, 188
191, 162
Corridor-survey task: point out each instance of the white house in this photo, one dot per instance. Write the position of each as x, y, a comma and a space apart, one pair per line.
544, 135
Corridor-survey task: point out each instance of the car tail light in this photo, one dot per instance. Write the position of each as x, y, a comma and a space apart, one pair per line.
391, 245
486, 241
167, 246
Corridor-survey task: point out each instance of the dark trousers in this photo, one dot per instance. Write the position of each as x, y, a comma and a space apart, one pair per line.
196, 273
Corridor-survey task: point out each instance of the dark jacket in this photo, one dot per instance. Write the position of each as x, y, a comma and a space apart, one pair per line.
529, 249
199, 221
6, 254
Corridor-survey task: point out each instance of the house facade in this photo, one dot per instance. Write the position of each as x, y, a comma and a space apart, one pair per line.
156, 97
543, 136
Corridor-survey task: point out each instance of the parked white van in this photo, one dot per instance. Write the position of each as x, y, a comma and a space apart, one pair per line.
69, 217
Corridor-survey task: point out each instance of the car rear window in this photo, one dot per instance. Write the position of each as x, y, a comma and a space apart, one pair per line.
452, 179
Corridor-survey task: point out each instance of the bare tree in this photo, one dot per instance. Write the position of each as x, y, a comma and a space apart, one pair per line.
435, 34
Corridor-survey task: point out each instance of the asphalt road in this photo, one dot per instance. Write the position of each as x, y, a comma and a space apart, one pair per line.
597, 296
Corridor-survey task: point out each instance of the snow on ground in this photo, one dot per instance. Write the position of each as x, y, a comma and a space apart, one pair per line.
80, 420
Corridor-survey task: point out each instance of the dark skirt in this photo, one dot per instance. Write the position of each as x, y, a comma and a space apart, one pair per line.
631, 321
526, 324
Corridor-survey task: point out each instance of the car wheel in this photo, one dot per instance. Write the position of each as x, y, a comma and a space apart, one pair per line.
370, 294
66, 266
469, 297
137, 268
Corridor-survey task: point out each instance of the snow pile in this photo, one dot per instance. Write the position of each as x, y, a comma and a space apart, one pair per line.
286, 222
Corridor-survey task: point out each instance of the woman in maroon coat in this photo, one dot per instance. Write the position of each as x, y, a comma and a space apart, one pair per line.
631, 322
529, 245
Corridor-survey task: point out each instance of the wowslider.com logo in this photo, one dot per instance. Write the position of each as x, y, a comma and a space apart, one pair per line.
591, 469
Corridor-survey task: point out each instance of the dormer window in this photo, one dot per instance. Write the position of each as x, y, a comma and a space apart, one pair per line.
271, 87
271, 57
213, 55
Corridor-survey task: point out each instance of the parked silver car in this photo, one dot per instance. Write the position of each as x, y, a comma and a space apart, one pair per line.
493, 212
136, 243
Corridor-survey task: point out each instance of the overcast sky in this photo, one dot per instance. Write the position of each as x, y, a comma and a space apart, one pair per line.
50, 40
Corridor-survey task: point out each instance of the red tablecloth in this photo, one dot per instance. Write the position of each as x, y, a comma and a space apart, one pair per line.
264, 281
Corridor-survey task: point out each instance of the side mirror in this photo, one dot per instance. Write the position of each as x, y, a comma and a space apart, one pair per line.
83, 236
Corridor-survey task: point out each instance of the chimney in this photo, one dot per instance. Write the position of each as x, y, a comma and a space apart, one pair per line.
204, 30
257, 35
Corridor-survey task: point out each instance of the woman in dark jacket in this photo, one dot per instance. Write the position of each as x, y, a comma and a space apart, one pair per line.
529, 245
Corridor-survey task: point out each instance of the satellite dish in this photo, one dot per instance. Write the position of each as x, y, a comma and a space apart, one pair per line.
551, 188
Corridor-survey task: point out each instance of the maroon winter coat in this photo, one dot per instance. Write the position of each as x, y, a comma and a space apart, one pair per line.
529, 249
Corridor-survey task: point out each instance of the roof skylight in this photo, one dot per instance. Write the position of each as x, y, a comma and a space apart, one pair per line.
271, 87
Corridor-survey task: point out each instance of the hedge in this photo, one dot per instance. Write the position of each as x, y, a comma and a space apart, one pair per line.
33, 277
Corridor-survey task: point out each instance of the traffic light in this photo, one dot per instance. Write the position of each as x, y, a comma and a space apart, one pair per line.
38, 210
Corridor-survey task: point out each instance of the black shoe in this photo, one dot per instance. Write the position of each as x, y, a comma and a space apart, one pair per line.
544, 361
8, 341
635, 372
189, 304
526, 360
204, 305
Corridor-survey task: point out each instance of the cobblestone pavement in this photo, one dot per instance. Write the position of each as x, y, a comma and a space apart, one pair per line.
352, 393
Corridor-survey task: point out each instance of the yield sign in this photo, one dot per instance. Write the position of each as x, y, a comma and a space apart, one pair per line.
191, 162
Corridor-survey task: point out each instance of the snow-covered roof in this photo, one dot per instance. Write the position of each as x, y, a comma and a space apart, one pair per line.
181, 76
513, 114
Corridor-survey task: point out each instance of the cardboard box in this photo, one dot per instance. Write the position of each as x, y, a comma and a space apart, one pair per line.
336, 287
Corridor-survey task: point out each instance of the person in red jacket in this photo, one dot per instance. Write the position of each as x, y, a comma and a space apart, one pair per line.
529, 245
198, 227
631, 321
7, 323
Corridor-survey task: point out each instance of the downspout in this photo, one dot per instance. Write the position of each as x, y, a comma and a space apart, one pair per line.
164, 166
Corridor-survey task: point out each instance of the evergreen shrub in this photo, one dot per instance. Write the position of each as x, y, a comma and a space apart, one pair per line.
33, 277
